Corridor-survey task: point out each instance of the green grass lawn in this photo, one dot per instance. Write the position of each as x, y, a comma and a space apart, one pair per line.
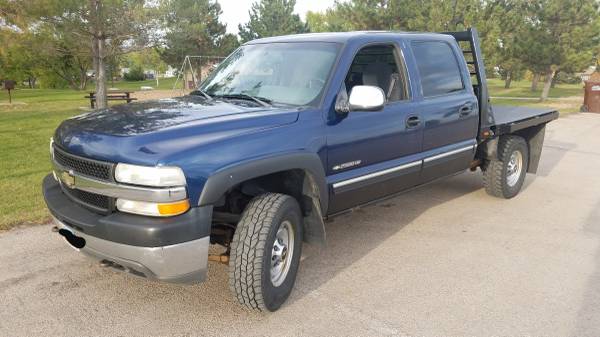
25, 130
523, 89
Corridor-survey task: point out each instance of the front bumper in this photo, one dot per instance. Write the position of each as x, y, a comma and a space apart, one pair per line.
171, 249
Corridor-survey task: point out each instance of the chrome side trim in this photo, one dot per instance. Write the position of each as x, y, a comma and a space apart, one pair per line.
120, 190
449, 153
376, 174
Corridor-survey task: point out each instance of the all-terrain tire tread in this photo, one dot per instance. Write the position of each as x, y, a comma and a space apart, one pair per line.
247, 247
493, 179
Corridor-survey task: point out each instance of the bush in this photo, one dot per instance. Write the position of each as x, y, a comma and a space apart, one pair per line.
135, 73
567, 78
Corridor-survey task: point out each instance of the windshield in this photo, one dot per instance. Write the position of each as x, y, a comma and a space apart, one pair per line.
288, 73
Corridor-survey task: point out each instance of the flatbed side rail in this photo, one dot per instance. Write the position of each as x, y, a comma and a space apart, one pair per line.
477, 71
512, 127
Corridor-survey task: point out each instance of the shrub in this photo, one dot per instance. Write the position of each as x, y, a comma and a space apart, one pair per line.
135, 73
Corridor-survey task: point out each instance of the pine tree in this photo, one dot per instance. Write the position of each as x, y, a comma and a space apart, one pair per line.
272, 18
193, 28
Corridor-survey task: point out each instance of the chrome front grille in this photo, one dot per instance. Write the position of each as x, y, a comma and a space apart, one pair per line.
88, 167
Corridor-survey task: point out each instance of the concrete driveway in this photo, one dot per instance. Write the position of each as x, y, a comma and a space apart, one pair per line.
444, 260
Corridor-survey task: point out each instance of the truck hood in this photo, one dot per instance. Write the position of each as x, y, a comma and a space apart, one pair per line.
148, 132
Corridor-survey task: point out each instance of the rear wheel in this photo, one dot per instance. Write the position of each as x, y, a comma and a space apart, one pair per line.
265, 251
503, 177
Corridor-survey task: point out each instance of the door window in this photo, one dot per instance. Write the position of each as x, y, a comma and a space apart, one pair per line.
379, 66
438, 68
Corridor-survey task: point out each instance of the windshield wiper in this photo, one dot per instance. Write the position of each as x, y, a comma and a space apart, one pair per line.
203, 93
260, 100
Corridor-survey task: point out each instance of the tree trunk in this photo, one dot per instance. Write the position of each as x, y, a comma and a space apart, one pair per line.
535, 81
547, 84
83, 80
554, 78
98, 52
508, 80
101, 100
73, 84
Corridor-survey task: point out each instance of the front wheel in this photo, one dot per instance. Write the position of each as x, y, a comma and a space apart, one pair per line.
504, 177
265, 251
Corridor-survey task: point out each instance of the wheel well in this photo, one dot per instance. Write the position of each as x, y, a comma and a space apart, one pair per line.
298, 183
534, 137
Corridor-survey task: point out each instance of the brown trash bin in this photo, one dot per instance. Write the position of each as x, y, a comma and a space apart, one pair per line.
591, 98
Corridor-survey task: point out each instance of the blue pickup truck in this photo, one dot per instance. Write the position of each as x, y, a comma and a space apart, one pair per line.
287, 132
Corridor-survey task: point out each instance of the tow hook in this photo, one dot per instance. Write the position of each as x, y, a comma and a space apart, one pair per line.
222, 258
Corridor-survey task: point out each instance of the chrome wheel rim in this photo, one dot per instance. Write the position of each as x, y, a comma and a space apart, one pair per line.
282, 252
514, 167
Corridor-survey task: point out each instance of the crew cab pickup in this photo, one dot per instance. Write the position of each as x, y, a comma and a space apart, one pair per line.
286, 132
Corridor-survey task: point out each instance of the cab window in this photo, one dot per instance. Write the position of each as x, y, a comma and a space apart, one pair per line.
438, 68
379, 66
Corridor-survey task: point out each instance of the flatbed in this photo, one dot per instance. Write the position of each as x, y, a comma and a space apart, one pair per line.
508, 119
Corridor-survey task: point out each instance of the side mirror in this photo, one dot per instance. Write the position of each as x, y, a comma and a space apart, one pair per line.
366, 98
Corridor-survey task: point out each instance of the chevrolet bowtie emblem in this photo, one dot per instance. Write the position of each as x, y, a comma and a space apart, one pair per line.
68, 178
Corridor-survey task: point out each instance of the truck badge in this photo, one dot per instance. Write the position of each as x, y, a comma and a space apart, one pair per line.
347, 165
68, 178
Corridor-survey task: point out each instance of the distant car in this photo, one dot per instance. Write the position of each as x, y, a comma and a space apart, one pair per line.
285, 132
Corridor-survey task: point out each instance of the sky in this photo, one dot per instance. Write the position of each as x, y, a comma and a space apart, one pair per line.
236, 11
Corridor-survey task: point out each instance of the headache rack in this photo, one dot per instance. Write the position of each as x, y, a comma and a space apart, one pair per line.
469, 43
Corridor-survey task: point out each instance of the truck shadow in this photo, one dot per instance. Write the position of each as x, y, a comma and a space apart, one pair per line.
353, 235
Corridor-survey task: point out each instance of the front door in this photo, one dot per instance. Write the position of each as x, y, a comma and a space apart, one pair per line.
372, 154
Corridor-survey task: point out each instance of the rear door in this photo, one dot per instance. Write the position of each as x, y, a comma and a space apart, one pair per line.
449, 109
372, 154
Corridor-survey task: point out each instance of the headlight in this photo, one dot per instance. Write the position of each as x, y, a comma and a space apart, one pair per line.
158, 176
153, 209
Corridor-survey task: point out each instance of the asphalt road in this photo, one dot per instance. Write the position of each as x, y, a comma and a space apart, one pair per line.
444, 260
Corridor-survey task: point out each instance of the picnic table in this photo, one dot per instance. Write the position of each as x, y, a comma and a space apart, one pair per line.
113, 95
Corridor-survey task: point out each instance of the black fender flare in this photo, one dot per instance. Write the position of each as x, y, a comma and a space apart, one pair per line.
221, 181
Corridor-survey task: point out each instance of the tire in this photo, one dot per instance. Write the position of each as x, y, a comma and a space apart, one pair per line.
266, 217
499, 177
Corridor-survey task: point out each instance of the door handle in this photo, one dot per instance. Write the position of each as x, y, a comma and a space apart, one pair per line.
413, 122
465, 110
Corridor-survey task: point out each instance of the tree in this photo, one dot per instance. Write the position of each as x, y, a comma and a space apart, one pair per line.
17, 62
61, 55
43, 53
107, 27
272, 18
564, 26
534, 56
423, 15
193, 28
505, 36
148, 58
